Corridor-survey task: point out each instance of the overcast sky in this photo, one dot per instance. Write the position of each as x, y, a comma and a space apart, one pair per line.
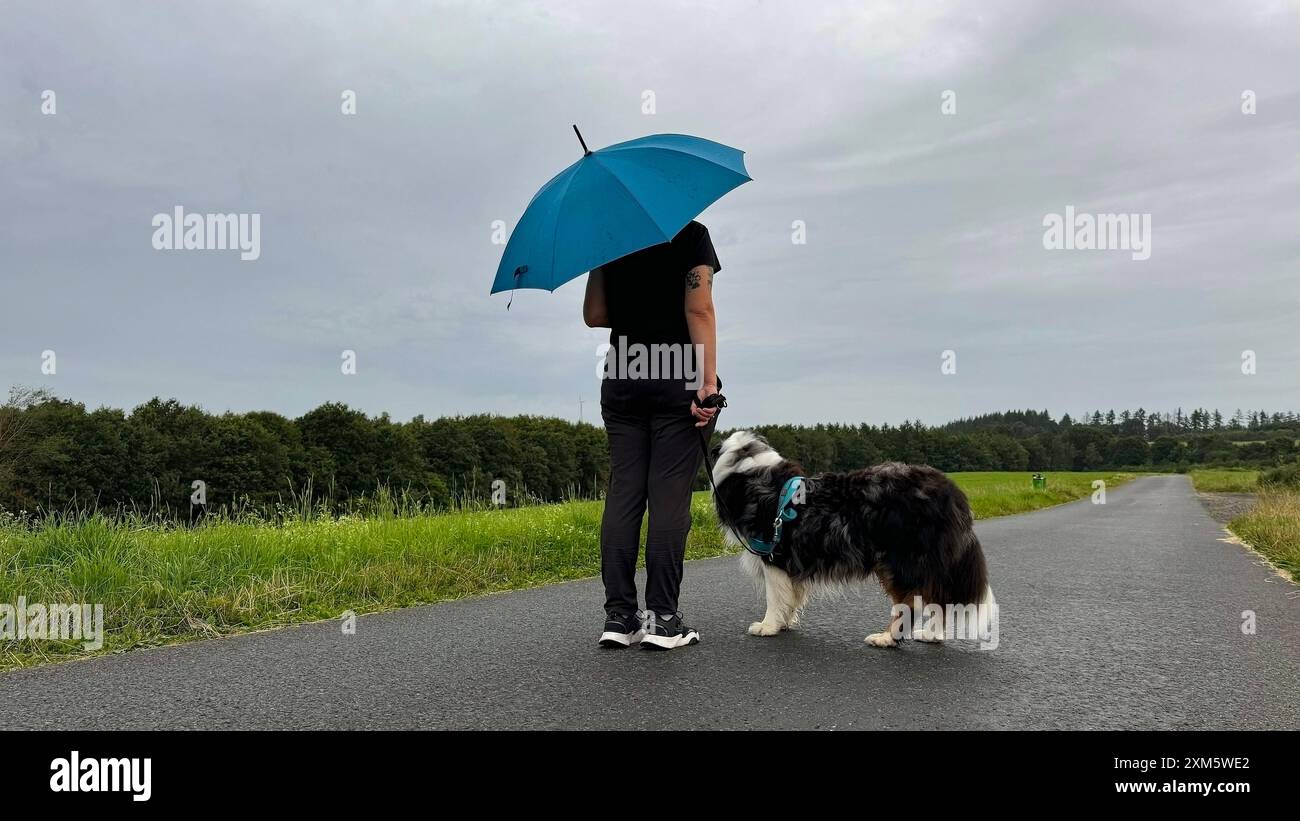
924, 229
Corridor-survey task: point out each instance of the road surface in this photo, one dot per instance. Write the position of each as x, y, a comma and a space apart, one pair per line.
1119, 616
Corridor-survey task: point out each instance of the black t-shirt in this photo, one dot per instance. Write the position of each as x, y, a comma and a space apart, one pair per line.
645, 291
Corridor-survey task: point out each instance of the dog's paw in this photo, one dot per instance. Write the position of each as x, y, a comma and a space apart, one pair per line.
762, 628
932, 635
881, 639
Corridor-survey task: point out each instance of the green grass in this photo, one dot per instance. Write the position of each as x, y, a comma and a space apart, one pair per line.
1225, 481
161, 584
1272, 527
1003, 494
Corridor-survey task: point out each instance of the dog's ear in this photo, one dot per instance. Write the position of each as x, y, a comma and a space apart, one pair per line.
741, 442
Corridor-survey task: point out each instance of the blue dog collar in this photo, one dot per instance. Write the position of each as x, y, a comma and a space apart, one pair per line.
785, 512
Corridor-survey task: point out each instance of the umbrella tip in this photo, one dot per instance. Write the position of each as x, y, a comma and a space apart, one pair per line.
585, 149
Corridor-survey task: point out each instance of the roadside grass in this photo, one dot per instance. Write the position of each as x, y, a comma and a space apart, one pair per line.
1004, 494
163, 584
1272, 527
1225, 481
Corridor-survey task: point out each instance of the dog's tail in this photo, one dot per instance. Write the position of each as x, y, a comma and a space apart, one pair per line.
987, 613
972, 587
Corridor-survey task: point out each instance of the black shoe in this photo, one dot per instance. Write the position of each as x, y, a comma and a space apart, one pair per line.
667, 632
622, 631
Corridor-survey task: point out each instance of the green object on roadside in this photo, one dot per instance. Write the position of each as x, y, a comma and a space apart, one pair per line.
1040, 481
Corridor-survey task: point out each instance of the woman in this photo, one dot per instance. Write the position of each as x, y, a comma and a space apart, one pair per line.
660, 296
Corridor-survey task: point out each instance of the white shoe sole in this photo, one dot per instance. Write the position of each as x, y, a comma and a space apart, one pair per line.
653, 642
612, 639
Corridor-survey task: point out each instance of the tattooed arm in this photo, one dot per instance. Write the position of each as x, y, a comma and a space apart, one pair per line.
594, 311
702, 323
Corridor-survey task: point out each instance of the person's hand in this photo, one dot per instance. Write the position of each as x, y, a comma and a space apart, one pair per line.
703, 415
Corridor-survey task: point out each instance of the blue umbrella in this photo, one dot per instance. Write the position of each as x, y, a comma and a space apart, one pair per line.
615, 201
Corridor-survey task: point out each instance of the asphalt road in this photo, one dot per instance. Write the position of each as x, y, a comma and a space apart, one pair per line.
1121, 616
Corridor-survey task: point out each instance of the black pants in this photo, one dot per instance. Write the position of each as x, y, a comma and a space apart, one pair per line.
654, 456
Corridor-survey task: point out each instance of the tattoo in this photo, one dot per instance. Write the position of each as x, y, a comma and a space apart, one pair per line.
693, 277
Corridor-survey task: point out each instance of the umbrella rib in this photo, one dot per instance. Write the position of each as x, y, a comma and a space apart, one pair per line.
744, 175
624, 147
634, 199
555, 229
640, 145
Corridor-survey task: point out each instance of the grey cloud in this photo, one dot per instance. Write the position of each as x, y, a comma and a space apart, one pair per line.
924, 231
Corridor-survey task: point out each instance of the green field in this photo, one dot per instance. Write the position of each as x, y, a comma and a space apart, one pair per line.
1002, 494
161, 584
1225, 481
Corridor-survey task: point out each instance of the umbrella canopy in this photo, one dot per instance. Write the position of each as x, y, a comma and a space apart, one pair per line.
615, 201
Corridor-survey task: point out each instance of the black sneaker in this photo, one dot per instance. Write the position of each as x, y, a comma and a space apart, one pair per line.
667, 632
622, 631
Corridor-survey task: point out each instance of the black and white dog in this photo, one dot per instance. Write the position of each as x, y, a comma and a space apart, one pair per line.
908, 525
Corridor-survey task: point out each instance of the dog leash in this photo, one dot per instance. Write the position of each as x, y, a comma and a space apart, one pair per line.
719, 401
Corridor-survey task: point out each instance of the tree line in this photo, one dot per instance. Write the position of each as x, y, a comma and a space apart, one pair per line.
56, 455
